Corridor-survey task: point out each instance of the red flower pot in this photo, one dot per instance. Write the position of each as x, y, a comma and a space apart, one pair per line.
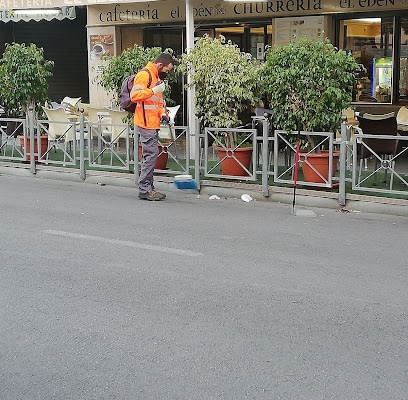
229, 160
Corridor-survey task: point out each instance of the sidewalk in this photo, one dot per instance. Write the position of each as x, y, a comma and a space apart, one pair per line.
304, 197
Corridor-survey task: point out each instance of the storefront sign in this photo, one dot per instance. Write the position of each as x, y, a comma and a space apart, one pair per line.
30, 4
138, 11
174, 11
61, 13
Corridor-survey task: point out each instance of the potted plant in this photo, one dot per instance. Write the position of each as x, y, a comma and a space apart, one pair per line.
308, 84
23, 82
225, 81
129, 62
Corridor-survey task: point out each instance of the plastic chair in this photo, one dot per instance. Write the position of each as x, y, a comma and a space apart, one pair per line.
402, 127
84, 107
70, 105
402, 120
59, 125
96, 126
118, 129
54, 105
380, 149
60, 129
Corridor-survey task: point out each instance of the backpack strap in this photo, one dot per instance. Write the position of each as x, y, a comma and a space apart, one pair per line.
150, 77
148, 86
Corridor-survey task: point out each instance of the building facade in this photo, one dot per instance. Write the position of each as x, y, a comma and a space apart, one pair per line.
375, 32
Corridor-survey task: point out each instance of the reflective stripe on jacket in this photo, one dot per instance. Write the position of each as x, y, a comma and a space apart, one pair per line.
149, 106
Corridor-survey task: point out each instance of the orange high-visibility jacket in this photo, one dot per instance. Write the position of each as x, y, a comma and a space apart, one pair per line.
150, 106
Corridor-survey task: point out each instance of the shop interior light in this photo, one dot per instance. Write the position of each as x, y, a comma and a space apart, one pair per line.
369, 20
38, 11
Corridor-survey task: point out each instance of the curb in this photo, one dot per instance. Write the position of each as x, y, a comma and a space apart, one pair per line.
304, 197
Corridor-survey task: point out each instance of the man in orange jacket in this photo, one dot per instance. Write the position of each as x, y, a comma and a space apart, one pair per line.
147, 92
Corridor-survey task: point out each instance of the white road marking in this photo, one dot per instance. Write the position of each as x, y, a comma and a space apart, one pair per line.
136, 245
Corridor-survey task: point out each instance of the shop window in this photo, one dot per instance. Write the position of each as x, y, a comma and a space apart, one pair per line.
164, 38
370, 42
403, 75
257, 42
233, 33
201, 32
259, 37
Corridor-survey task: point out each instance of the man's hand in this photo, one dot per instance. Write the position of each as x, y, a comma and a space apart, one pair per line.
159, 88
165, 118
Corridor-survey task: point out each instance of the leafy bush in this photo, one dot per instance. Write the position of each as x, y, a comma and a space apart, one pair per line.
225, 80
23, 78
309, 82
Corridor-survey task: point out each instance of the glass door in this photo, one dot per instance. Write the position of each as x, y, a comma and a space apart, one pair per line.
370, 41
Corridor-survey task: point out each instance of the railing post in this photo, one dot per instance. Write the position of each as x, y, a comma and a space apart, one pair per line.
197, 158
82, 172
265, 156
343, 155
31, 132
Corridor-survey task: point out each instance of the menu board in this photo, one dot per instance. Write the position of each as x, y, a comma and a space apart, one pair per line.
292, 29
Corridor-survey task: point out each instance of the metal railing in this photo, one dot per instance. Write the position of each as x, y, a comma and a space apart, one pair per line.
86, 146
285, 145
378, 172
244, 140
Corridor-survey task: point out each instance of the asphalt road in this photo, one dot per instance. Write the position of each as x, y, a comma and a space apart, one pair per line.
104, 296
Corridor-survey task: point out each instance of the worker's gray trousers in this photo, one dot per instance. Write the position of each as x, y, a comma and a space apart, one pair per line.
149, 141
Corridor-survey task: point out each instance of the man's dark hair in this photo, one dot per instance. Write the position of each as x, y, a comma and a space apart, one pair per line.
165, 59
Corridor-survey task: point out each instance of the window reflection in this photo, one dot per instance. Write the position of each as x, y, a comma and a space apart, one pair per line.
249, 38
403, 76
370, 42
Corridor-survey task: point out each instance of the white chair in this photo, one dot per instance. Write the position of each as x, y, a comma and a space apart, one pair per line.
84, 107
99, 125
70, 105
118, 128
98, 122
54, 105
402, 120
70, 101
402, 128
61, 131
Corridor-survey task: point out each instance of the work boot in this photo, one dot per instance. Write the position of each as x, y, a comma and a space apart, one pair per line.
152, 195
163, 195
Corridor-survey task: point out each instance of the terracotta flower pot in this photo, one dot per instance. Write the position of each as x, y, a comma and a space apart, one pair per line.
229, 164
43, 146
320, 163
